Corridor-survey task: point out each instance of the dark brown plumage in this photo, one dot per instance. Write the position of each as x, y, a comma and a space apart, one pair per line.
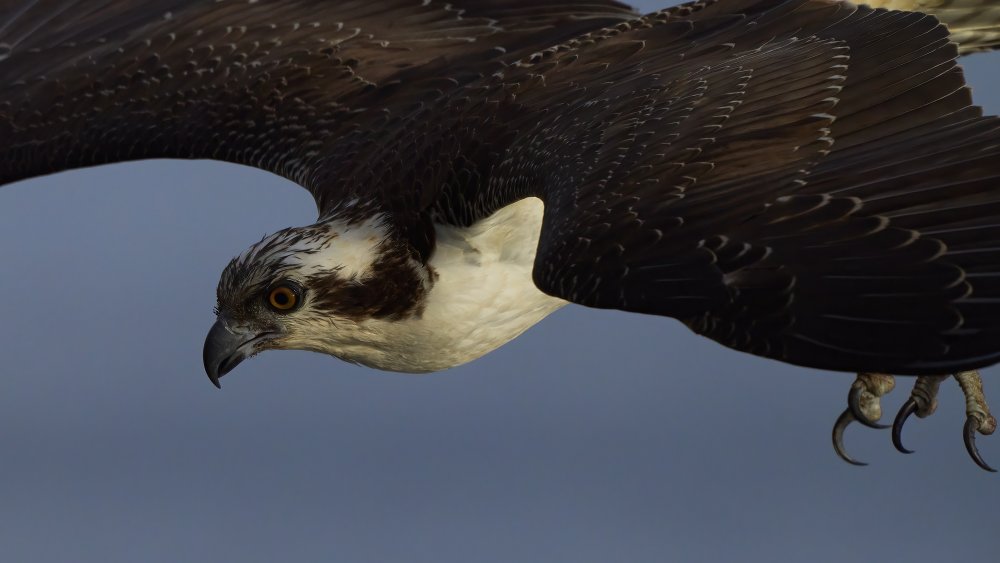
802, 179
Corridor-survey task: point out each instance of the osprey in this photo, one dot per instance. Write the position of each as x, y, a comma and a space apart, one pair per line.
806, 180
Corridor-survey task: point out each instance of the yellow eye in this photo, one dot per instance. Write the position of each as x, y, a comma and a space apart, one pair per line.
283, 298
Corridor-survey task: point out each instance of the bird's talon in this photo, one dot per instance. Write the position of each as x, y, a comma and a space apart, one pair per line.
922, 401
843, 421
972, 425
978, 417
862, 406
908, 408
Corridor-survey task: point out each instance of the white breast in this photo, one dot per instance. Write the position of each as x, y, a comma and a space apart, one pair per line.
483, 296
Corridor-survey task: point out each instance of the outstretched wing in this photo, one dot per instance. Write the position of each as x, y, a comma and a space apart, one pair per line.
801, 179
974, 24
270, 84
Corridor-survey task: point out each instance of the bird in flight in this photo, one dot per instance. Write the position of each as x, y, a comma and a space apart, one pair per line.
805, 180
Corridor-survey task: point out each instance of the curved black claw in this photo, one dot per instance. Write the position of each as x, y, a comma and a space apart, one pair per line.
971, 427
845, 420
854, 405
908, 408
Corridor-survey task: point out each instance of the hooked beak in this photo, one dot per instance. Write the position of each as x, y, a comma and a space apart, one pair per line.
225, 348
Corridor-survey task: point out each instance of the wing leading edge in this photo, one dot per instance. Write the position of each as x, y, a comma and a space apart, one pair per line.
274, 85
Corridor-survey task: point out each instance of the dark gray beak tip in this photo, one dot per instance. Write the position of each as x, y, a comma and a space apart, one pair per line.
224, 350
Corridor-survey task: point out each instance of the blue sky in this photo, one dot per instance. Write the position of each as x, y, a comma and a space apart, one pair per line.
598, 436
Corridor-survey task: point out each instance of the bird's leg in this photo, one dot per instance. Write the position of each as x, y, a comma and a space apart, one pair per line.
863, 405
978, 417
922, 401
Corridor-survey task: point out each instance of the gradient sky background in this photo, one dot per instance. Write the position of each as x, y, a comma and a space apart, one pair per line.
598, 436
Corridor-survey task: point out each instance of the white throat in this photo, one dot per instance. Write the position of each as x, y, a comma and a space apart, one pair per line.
482, 298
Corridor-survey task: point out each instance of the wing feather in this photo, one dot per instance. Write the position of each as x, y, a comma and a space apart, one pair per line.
974, 24
828, 222
269, 84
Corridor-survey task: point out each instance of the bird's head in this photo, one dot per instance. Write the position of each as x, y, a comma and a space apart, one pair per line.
317, 288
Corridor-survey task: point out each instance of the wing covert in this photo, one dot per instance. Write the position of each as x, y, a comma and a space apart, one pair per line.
274, 85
